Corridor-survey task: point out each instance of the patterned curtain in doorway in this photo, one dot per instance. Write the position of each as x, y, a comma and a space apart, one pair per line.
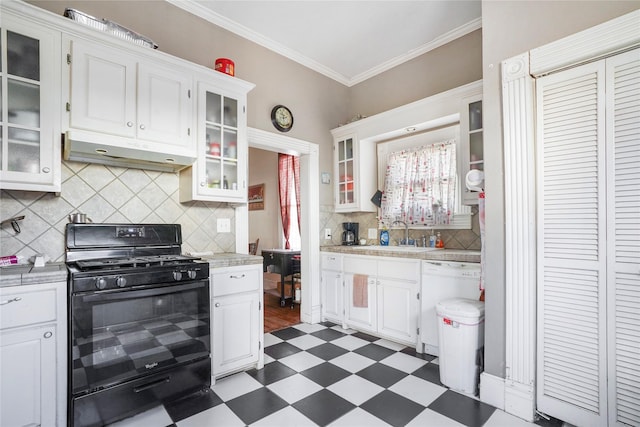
288, 178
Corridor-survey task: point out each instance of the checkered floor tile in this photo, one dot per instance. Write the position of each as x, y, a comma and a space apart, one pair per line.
328, 376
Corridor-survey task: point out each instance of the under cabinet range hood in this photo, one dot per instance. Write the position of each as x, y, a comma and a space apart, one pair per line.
88, 147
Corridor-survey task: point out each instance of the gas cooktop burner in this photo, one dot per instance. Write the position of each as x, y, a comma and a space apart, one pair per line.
142, 261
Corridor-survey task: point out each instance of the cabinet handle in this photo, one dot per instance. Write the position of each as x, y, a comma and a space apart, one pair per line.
217, 304
46, 170
202, 184
142, 127
48, 334
236, 277
16, 299
130, 124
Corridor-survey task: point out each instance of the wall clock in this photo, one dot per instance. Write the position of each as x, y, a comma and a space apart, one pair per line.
282, 118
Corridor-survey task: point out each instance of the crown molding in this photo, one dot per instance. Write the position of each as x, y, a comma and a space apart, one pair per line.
242, 31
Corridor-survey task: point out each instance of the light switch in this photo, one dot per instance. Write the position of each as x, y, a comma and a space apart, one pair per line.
372, 233
224, 225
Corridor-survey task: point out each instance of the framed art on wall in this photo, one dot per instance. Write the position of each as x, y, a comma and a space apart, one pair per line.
256, 197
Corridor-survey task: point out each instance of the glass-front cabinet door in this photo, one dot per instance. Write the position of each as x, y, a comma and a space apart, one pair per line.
220, 173
221, 142
29, 107
345, 168
472, 143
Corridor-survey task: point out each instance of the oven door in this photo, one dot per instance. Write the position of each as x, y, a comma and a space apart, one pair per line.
116, 336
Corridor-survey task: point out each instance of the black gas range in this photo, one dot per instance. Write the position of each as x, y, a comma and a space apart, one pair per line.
139, 324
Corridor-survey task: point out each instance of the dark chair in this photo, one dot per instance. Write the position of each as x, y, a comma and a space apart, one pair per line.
253, 247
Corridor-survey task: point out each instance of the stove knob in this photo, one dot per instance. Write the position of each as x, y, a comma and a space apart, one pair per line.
101, 283
121, 282
192, 274
177, 275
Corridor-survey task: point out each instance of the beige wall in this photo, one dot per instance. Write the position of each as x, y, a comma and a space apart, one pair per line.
263, 224
511, 28
454, 64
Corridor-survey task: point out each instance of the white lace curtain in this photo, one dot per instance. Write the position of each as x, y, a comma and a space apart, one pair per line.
420, 185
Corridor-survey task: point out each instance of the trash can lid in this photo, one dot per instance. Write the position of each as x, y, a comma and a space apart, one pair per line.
455, 308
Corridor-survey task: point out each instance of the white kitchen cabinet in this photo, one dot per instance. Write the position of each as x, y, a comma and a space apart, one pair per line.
33, 355
29, 104
237, 323
471, 142
392, 307
220, 172
120, 93
354, 174
331, 280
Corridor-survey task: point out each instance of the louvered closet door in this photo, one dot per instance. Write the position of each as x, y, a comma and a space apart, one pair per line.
623, 267
572, 376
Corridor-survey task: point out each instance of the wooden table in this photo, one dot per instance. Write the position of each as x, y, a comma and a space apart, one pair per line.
285, 262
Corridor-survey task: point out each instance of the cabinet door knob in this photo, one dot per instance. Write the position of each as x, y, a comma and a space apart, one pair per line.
46, 170
48, 334
130, 124
142, 127
202, 184
217, 304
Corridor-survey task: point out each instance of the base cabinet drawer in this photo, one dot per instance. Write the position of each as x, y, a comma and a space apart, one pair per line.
27, 308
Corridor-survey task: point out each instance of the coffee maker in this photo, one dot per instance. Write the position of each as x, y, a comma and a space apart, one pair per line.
350, 233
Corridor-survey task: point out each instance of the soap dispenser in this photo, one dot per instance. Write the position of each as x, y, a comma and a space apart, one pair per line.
439, 241
432, 240
384, 237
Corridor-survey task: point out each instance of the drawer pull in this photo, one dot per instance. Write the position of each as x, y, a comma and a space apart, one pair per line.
16, 299
217, 304
237, 277
48, 334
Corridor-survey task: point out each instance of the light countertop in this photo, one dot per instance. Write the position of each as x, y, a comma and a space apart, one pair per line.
457, 255
27, 274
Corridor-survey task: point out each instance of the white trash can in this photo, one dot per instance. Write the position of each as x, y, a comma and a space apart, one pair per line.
461, 343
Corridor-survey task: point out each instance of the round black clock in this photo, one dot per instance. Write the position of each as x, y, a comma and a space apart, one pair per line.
282, 118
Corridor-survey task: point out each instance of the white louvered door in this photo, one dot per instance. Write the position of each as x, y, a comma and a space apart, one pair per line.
571, 246
588, 199
623, 245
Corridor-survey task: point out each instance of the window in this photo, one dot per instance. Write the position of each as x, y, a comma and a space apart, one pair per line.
420, 185
419, 178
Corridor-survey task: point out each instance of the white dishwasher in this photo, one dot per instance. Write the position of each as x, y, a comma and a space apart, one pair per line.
442, 280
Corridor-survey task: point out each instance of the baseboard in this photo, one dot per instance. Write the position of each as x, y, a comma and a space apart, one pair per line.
315, 316
519, 400
492, 390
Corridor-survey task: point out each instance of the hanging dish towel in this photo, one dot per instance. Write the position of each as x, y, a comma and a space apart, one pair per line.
360, 290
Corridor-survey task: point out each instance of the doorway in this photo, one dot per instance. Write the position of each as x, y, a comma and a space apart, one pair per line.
310, 309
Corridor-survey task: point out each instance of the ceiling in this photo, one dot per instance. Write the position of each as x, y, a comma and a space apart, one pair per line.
348, 41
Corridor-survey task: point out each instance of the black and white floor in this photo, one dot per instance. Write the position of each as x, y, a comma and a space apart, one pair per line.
324, 375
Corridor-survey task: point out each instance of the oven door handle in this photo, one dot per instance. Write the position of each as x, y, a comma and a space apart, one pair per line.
116, 296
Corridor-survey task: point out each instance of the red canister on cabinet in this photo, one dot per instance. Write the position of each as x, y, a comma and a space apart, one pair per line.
225, 65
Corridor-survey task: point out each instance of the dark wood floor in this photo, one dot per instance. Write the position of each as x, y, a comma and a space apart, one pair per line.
276, 317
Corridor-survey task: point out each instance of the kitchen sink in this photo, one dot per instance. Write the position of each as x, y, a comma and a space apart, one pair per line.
409, 249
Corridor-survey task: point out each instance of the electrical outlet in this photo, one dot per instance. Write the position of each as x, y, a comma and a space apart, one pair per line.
224, 225
327, 234
372, 233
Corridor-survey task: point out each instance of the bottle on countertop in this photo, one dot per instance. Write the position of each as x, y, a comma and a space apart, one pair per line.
225, 183
439, 241
432, 240
384, 237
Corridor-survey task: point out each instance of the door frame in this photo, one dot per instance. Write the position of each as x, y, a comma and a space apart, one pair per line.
310, 309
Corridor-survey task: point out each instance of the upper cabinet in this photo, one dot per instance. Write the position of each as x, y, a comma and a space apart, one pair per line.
354, 174
471, 142
30, 105
220, 172
120, 100
117, 93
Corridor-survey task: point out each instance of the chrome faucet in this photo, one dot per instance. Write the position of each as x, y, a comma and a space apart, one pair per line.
406, 232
